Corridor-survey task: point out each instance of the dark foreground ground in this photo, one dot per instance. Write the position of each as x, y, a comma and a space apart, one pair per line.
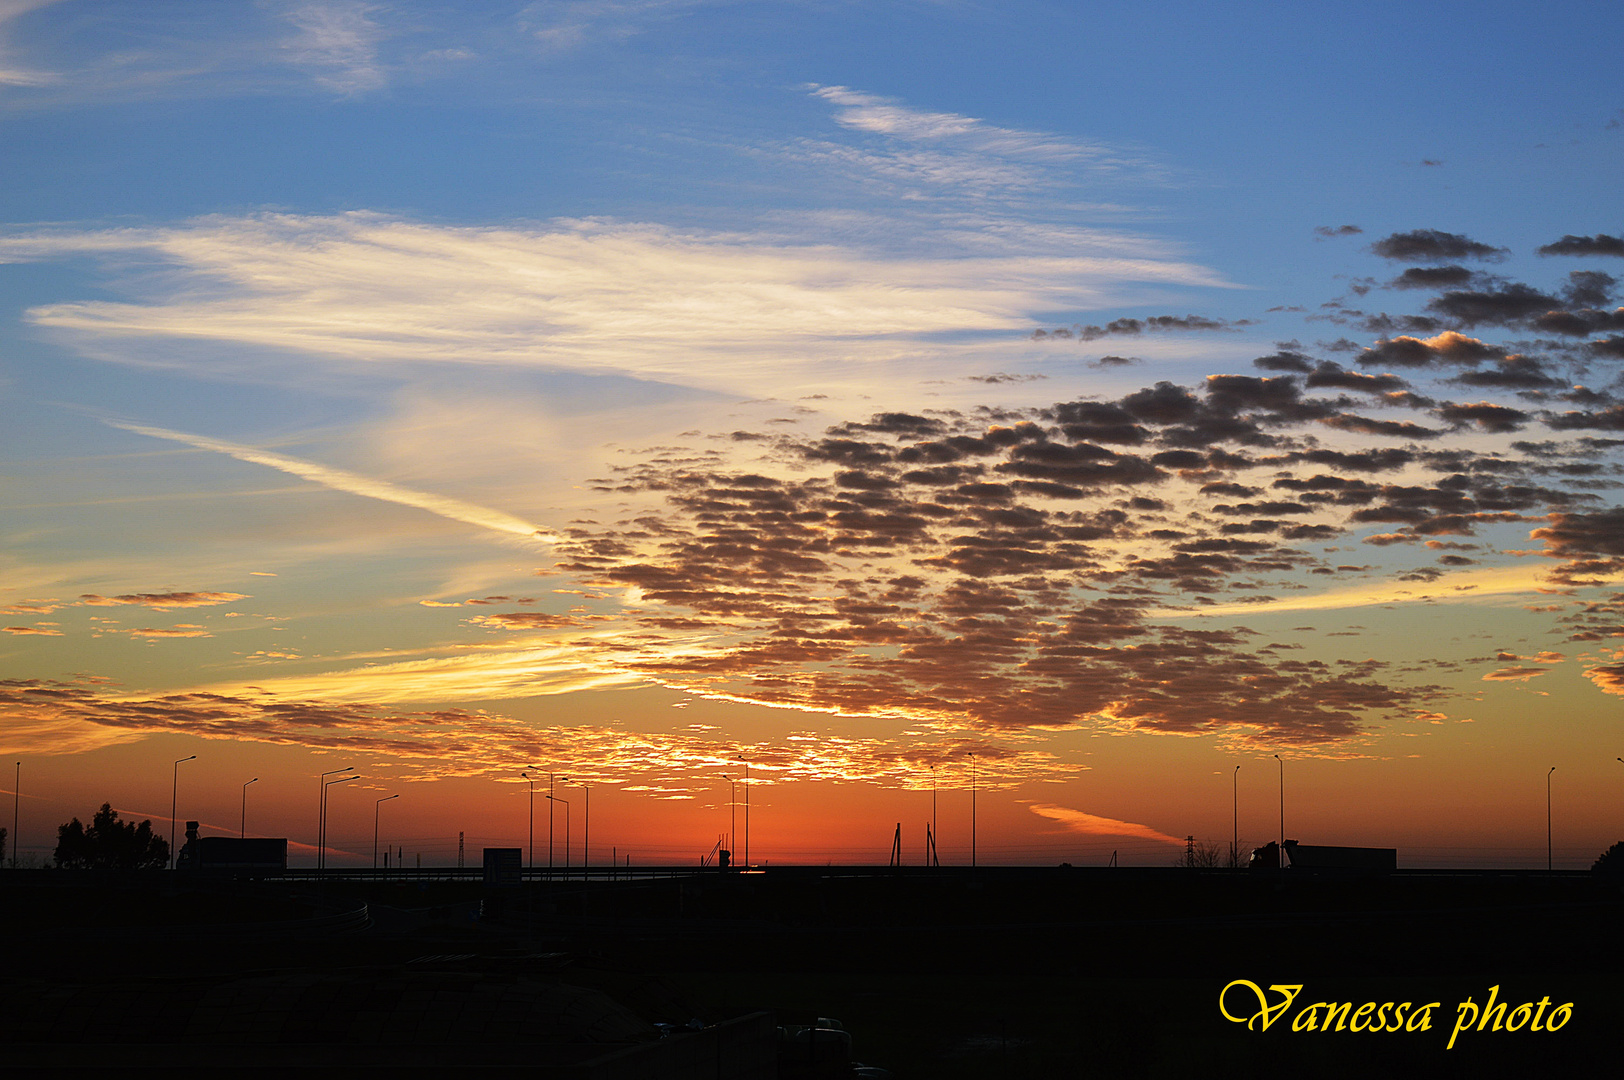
941, 973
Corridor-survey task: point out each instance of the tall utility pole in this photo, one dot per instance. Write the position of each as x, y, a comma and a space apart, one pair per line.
1235, 811
242, 827
972, 809
746, 763
321, 851
733, 812
1282, 852
566, 803
930, 854
321, 812
174, 794
530, 860
16, 796
552, 782
1548, 819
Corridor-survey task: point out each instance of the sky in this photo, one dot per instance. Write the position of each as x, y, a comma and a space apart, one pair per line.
1074, 427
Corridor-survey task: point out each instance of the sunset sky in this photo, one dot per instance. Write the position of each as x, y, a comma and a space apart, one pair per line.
1111, 395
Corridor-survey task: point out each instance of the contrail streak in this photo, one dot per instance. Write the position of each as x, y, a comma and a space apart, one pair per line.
355, 484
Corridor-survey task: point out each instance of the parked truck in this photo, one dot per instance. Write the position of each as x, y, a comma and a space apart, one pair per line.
1321, 859
254, 856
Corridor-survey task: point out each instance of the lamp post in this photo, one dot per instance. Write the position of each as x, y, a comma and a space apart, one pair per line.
551, 782
566, 802
1548, 819
321, 811
530, 860
733, 810
586, 829
242, 826
377, 808
1281, 853
321, 850
741, 758
174, 793
1235, 815
935, 837
16, 796
972, 809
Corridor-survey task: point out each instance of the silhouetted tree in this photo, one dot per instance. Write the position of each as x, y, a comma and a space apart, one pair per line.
1611, 862
110, 844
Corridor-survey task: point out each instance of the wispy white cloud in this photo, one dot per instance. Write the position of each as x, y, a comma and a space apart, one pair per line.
885, 116
97, 50
568, 24
356, 484
14, 69
510, 669
731, 312
1463, 586
951, 150
338, 43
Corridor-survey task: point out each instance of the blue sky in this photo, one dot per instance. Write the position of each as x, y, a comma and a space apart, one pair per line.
330, 317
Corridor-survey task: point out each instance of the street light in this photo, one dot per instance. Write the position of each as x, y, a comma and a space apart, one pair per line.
376, 809
1548, 819
242, 827
530, 860
586, 829
972, 809
174, 792
733, 808
551, 787
16, 796
740, 757
566, 803
1279, 854
321, 848
1235, 812
321, 811
935, 836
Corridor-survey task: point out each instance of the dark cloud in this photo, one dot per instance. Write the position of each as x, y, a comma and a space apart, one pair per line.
1504, 306
1589, 288
1611, 347
1487, 416
1334, 375
1431, 277
1608, 419
892, 423
1578, 322
1600, 244
1091, 421
1446, 348
162, 600
1430, 245
1284, 360
1364, 425
1590, 545
1327, 231
1130, 327
1511, 373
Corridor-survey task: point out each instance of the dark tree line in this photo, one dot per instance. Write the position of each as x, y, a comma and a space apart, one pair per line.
110, 844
